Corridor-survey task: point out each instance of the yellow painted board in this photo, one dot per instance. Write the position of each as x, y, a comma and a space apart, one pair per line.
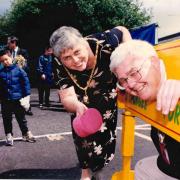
169, 124
170, 53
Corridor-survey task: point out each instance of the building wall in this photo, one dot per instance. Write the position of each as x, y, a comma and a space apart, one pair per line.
166, 13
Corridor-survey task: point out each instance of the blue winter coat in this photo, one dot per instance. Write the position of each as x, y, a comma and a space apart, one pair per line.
14, 83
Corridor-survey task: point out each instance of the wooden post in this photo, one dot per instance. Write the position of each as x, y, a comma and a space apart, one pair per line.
127, 148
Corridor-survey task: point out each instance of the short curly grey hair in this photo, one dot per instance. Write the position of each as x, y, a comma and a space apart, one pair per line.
65, 37
136, 48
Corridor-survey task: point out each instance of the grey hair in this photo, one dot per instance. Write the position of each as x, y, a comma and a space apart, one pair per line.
134, 48
65, 37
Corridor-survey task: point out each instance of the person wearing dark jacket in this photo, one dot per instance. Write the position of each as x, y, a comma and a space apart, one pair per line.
45, 75
14, 96
20, 57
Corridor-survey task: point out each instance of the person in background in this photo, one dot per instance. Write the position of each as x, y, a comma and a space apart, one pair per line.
1, 66
8, 51
20, 56
141, 73
14, 96
45, 76
85, 81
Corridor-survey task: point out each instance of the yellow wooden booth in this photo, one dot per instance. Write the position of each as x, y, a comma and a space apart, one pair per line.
134, 107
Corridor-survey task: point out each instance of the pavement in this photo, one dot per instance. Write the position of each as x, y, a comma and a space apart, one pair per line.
53, 156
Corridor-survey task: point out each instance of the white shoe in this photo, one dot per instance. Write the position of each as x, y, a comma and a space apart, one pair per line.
9, 139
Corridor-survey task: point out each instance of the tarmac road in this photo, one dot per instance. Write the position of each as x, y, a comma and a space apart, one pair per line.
53, 156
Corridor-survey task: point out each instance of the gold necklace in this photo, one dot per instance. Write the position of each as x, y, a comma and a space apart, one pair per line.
85, 97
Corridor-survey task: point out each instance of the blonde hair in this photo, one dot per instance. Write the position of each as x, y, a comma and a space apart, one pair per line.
135, 48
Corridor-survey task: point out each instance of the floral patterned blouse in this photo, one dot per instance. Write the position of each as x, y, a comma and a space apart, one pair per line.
97, 150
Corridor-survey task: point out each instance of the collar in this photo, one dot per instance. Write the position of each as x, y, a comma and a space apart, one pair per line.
12, 66
16, 49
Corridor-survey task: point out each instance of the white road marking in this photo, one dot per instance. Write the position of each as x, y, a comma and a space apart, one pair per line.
49, 136
143, 136
137, 128
143, 125
59, 136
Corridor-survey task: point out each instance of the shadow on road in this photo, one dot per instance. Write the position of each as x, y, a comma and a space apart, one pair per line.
70, 174
2, 144
55, 106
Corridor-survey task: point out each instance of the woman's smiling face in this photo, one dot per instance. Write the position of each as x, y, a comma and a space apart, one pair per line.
75, 58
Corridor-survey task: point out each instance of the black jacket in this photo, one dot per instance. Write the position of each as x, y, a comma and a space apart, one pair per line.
173, 150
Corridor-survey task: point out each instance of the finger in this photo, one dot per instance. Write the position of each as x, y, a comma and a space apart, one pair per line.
85, 107
168, 96
82, 109
174, 101
159, 97
77, 114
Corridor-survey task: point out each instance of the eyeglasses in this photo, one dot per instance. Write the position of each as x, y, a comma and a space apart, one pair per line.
133, 76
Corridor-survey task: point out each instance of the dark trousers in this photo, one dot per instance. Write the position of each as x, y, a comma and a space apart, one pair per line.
8, 107
44, 91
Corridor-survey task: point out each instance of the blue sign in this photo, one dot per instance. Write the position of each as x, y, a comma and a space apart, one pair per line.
146, 33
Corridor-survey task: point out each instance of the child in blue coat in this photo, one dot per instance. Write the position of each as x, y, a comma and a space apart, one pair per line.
14, 95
